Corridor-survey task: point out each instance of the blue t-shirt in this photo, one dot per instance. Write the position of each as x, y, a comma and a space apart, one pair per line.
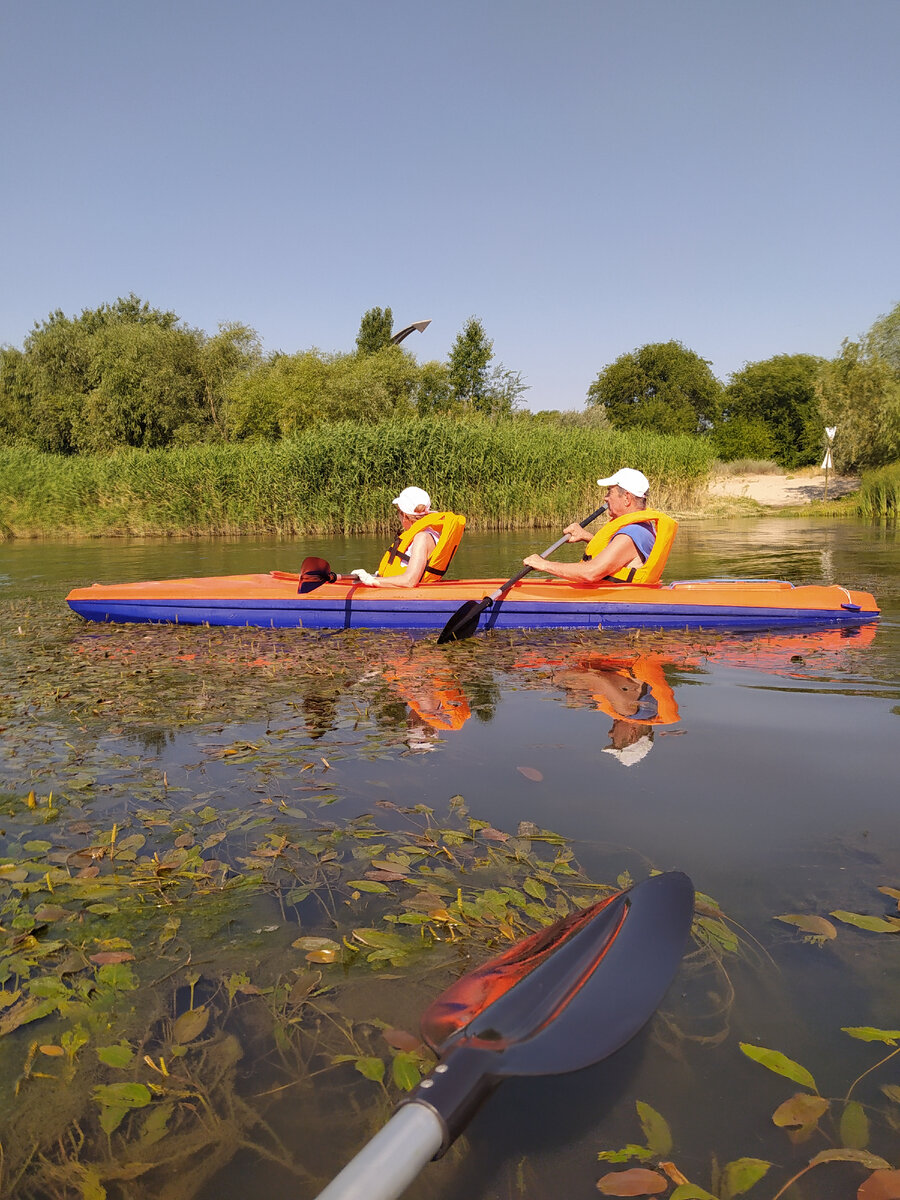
643, 535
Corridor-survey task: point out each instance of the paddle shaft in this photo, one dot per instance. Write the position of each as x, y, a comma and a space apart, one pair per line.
388, 1164
544, 553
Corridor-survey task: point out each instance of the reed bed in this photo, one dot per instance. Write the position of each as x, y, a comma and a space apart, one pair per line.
341, 478
879, 493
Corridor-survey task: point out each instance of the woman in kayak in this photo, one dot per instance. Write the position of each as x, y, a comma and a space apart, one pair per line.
631, 547
422, 550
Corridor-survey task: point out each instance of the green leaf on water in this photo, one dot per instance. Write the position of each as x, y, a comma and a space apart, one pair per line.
118, 976
740, 1176
892, 1091
535, 888
854, 1126
154, 1125
656, 1130
368, 885
117, 1099
118, 1056
38, 847
190, 1025
370, 1068
774, 1060
405, 1070
690, 1191
865, 1033
871, 924
626, 1154
863, 1157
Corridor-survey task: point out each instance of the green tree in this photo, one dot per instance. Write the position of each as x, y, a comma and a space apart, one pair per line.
467, 366
235, 350
375, 331
778, 397
860, 394
661, 386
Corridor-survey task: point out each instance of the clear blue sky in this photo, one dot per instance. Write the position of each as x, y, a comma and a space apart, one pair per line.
584, 175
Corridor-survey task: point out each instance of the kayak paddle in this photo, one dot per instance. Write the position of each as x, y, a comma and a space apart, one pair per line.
464, 621
564, 998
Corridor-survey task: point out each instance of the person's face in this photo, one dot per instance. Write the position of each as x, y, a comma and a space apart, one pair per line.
618, 501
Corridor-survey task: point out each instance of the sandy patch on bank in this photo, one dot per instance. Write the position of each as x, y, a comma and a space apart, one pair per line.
783, 491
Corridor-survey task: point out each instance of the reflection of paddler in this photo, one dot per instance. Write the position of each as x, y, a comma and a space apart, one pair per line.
430, 692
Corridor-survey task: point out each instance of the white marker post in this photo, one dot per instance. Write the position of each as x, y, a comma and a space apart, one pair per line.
828, 461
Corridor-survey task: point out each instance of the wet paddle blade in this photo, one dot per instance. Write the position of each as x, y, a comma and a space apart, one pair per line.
464, 622
313, 573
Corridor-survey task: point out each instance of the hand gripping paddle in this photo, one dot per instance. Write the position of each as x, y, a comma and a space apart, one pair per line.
562, 999
464, 621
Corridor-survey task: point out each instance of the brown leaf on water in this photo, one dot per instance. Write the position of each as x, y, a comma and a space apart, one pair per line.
326, 955
881, 1185
52, 1051
401, 1040
817, 927
531, 773
800, 1114
673, 1173
494, 835
385, 876
639, 1181
107, 957
307, 981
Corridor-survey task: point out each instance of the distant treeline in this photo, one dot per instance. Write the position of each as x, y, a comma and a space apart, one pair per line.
341, 478
126, 375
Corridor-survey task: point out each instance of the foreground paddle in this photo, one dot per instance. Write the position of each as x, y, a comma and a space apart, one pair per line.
564, 998
464, 621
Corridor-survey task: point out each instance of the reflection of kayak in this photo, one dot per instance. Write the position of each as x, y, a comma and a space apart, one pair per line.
273, 600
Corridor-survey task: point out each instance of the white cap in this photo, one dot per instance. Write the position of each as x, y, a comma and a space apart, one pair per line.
629, 755
412, 498
628, 480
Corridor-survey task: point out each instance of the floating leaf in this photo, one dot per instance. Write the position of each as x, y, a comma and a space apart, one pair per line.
881, 1185
535, 888
306, 982
894, 893
154, 1126
368, 885
801, 1114
405, 1070
315, 943
327, 954
399, 1039
892, 1091
116, 1056
106, 957
117, 1099
190, 1025
740, 1175
863, 1157
370, 1068
818, 928
871, 924
673, 1172
52, 1051
638, 1181
854, 1126
774, 1060
690, 1191
641, 1153
865, 1033
656, 1129
531, 773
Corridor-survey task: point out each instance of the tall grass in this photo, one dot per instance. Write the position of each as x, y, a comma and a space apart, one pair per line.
879, 493
342, 478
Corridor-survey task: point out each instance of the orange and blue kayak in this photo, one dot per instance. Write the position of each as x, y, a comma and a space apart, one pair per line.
273, 601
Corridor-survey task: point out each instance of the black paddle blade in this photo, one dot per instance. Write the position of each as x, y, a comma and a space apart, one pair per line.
313, 573
574, 993
464, 622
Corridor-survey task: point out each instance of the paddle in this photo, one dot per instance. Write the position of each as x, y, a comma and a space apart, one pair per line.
564, 998
464, 621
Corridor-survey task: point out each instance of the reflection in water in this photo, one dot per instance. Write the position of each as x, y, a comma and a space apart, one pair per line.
436, 703
633, 691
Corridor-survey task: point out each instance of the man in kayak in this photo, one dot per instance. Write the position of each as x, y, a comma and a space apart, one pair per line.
626, 551
412, 555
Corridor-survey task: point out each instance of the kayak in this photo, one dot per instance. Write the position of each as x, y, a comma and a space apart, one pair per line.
272, 601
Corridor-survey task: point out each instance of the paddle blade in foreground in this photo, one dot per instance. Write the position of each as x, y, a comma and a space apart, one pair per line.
564, 998
464, 622
313, 573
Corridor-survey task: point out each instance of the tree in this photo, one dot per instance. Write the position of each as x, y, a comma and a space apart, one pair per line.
468, 365
860, 394
375, 330
777, 397
475, 385
661, 386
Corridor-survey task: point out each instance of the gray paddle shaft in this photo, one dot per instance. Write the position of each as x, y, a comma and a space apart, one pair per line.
544, 554
387, 1165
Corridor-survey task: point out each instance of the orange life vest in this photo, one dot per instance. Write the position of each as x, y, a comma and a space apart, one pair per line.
652, 569
448, 525
648, 671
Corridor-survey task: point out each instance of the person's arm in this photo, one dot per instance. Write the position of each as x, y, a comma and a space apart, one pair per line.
618, 554
411, 575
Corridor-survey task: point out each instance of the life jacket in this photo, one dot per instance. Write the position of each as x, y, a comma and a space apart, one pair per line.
652, 569
648, 671
447, 708
450, 526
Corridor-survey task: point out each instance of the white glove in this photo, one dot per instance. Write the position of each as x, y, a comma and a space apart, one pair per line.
364, 577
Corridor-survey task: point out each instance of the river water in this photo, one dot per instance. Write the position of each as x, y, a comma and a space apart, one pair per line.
763, 766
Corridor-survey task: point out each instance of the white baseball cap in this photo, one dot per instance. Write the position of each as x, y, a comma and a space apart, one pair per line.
628, 480
629, 755
412, 498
